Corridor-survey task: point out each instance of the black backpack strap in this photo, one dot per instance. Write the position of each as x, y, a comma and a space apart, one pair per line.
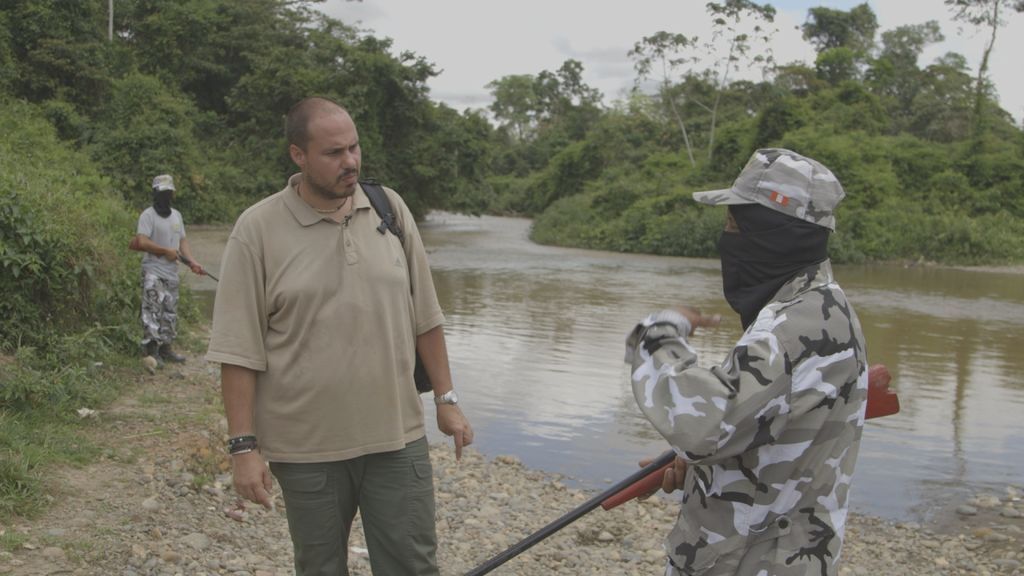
379, 200
381, 204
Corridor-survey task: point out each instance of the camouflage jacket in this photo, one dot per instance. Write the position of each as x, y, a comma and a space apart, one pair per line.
771, 435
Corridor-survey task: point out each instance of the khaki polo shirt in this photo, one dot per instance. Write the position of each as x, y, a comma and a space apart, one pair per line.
327, 315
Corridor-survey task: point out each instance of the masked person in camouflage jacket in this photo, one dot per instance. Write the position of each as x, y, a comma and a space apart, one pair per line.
766, 441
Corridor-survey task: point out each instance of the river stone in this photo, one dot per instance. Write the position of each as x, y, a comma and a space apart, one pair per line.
1010, 513
197, 541
987, 501
54, 554
973, 544
966, 510
170, 557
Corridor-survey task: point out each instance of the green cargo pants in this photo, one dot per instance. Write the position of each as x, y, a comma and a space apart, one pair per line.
394, 493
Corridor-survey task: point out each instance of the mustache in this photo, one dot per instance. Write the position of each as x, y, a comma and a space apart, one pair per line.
347, 173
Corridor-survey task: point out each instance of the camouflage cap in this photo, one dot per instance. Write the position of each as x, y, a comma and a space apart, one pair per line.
786, 182
163, 182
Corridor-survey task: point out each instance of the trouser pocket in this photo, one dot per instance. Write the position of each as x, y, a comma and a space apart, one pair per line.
317, 521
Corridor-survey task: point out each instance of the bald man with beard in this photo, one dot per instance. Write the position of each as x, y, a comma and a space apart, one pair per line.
318, 319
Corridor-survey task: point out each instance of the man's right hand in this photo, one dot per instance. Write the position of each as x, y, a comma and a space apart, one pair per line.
171, 254
252, 479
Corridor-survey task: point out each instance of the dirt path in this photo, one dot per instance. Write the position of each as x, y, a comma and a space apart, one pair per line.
155, 502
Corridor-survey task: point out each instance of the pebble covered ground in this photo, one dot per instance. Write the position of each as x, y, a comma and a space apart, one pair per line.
159, 503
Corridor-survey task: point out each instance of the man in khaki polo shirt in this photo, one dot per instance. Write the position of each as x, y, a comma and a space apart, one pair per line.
316, 323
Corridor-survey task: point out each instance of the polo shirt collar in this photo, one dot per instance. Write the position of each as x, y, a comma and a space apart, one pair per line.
305, 214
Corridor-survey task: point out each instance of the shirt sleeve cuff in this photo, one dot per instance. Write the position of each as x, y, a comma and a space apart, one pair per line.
672, 317
235, 360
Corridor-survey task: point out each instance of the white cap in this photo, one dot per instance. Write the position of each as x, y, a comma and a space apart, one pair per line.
163, 182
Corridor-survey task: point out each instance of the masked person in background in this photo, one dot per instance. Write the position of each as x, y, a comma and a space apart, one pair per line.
766, 441
160, 235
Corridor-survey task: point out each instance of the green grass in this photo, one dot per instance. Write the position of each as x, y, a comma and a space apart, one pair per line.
39, 426
29, 445
10, 540
20, 485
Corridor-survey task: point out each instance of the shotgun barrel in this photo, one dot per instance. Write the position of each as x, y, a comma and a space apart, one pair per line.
188, 262
569, 518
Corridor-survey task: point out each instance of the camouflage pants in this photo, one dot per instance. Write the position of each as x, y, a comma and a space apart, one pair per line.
159, 309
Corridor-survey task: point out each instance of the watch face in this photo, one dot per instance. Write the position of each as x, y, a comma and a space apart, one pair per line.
449, 397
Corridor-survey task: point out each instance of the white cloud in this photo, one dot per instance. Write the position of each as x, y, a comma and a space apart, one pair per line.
476, 41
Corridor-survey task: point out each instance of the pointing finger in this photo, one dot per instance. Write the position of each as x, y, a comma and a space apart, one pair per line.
710, 321
458, 444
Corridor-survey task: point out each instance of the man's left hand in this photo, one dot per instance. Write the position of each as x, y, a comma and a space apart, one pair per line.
197, 268
451, 422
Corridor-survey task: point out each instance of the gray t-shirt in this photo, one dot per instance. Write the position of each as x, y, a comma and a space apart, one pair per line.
166, 232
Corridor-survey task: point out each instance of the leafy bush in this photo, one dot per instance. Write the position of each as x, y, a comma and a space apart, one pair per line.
569, 221
669, 223
62, 239
511, 194
147, 130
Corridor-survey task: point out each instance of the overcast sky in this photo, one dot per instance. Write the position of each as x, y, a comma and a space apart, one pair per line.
476, 41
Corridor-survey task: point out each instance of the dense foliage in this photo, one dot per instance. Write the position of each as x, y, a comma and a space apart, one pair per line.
199, 89
62, 240
932, 166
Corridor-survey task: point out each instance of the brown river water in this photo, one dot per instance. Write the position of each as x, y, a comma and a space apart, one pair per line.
535, 336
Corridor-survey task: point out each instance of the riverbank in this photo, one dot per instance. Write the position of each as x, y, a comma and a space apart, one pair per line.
159, 502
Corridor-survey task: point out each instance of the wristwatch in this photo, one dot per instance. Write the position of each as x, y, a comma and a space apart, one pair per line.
449, 397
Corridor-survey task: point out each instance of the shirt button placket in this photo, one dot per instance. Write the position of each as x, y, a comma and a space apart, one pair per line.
351, 255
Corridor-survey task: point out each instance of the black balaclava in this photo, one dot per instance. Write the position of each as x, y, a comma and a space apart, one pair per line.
162, 202
770, 248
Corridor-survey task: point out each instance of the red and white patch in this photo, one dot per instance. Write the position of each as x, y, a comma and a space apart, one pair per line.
779, 199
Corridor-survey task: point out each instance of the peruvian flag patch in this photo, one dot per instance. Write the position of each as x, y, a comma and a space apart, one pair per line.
779, 199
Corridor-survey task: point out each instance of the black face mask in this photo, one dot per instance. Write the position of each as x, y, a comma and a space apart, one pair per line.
767, 252
162, 202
